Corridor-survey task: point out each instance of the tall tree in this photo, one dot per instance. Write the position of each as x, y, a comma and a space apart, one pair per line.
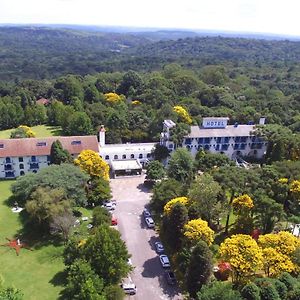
199, 269
155, 170
181, 165
107, 254
83, 283
58, 154
173, 223
203, 193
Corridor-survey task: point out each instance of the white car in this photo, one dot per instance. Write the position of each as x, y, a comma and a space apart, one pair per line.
150, 223
164, 260
110, 205
129, 288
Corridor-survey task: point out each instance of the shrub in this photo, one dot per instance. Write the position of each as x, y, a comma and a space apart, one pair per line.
288, 280
250, 292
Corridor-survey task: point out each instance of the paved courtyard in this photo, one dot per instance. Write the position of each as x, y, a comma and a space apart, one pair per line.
148, 275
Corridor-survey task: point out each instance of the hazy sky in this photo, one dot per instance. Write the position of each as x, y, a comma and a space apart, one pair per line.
268, 16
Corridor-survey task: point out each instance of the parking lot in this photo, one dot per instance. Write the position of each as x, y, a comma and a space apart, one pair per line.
148, 275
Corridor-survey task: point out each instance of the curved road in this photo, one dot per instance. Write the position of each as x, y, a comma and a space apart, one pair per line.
148, 274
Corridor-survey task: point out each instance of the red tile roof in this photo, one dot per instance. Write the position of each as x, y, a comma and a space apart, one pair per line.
42, 146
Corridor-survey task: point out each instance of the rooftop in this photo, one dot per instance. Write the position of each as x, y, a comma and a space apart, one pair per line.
228, 131
130, 164
42, 146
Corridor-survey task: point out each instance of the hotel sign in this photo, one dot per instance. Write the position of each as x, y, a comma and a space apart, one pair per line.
214, 122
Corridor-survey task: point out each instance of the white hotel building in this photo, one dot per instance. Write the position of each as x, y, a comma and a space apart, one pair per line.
217, 137
21, 156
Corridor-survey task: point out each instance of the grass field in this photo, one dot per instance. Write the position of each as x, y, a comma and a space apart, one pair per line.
36, 273
40, 131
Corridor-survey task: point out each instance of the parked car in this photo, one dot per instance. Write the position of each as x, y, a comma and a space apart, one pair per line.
110, 205
114, 220
146, 213
129, 261
150, 223
159, 248
170, 277
129, 288
164, 260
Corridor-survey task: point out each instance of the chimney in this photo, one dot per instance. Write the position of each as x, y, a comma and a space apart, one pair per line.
262, 121
102, 136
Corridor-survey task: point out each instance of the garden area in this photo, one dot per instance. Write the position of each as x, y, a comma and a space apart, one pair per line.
36, 273
39, 130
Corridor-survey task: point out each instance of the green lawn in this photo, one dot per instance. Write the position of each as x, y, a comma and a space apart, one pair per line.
35, 273
40, 131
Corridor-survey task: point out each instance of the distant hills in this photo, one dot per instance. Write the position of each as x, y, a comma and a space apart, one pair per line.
45, 52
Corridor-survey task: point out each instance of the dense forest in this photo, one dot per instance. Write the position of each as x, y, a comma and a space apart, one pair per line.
131, 84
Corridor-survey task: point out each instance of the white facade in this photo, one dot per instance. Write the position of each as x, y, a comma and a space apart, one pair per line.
11, 167
141, 151
216, 136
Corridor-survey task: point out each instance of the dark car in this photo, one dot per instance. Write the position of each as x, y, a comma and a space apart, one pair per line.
159, 248
170, 277
146, 213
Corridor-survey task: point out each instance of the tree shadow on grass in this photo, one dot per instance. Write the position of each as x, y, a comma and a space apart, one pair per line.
59, 279
35, 235
55, 131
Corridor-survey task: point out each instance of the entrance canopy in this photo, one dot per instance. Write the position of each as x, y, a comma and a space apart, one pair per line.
126, 167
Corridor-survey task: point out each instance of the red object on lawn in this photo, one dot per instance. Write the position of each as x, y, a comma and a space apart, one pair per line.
16, 244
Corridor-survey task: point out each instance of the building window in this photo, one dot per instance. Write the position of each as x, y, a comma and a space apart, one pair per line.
7, 160
34, 171
33, 158
22, 173
9, 174
217, 147
21, 159
116, 157
188, 141
106, 157
131, 155
200, 141
124, 156
7, 167
40, 144
21, 166
1, 145
206, 147
48, 158
140, 155
218, 140
207, 140
148, 155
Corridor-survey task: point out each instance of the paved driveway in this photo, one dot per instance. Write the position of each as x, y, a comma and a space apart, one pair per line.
148, 274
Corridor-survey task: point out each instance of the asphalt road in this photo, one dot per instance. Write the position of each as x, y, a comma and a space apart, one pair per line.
148, 274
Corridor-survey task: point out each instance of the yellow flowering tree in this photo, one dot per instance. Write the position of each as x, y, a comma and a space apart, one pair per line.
275, 262
91, 162
196, 230
278, 249
183, 114
283, 242
169, 204
113, 97
295, 189
242, 206
243, 254
22, 131
242, 203
136, 102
